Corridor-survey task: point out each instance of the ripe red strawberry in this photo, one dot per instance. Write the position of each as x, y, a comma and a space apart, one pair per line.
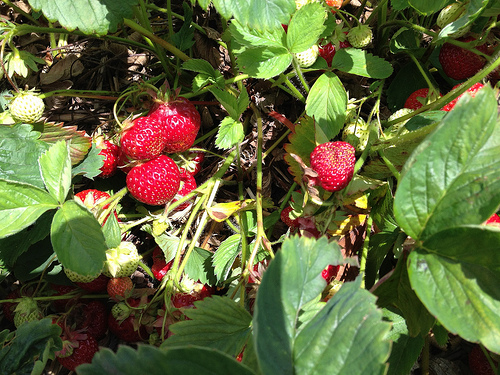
330, 272
181, 122
160, 267
59, 305
120, 287
287, 219
98, 285
190, 161
459, 63
83, 352
155, 182
93, 318
328, 50
111, 153
417, 99
334, 163
493, 220
9, 307
91, 198
334, 3
471, 90
124, 323
125, 164
144, 139
187, 300
188, 184
478, 363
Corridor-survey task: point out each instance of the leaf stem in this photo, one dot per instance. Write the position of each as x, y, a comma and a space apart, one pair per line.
364, 249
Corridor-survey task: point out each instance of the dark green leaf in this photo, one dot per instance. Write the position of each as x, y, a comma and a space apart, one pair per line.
359, 62
399, 4
225, 255
30, 341
21, 205
155, 361
405, 40
455, 274
292, 280
184, 37
90, 16
199, 266
406, 80
55, 165
424, 119
78, 240
427, 7
20, 149
305, 27
230, 133
453, 176
405, 349
327, 104
217, 322
348, 328
37, 260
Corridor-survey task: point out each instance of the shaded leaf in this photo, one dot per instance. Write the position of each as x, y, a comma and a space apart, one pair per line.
216, 322
427, 7
199, 266
359, 62
78, 240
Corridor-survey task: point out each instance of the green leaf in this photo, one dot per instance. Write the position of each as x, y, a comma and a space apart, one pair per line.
230, 133
404, 40
112, 232
217, 322
20, 149
206, 70
37, 260
225, 256
254, 38
359, 62
21, 205
78, 240
453, 176
327, 104
405, 81
55, 165
90, 16
399, 4
184, 37
234, 106
199, 266
91, 166
155, 361
427, 7
13, 246
348, 328
31, 340
405, 349
305, 27
256, 14
460, 285
395, 290
292, 280
264, 62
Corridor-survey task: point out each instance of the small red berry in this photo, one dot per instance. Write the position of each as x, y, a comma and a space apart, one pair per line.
471, 90
111, 153
330, 272
287, 219
119, 287
459, 63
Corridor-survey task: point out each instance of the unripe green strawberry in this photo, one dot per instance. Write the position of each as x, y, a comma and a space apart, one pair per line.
78, 278
26, 107
450, 14
308, 57
398, 128
356, 133
121, 261
26, 311
360, 36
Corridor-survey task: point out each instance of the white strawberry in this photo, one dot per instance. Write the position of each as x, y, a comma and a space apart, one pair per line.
356, 133
360, 36
121, 261
26, 107
308, 57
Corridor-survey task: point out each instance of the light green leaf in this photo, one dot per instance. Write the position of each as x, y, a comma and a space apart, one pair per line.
347, 336
264, 62
20, 149
453, 177
230, 133
327, 104
55, 165
152, 360
112, 232
225, 255
455, 273
305, 27
256, 14
217, 322
90, 16
292, 280
359, 62
254, 38
78, 239
234, 106
21, 205
91, 166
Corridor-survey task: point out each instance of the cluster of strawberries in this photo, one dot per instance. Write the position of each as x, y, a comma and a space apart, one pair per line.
145, 152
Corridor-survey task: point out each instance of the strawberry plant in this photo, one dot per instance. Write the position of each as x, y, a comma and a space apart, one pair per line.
249, 187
